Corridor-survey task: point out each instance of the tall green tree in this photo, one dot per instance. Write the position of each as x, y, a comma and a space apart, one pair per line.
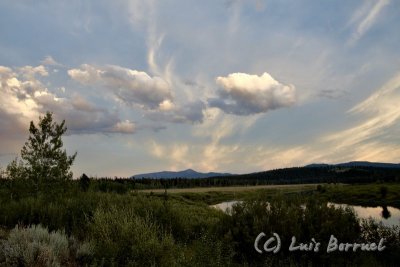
43, 158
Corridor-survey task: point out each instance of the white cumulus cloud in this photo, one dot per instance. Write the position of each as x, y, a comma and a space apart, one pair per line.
245, 94
130, 86
23, 97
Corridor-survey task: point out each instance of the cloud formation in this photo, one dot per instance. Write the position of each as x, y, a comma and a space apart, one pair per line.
366, 16
186, 47
245, 94
49, 60
191, 112
23, 97
130, 86
138, 89
332, 94
16, 104
382, 113
124, 127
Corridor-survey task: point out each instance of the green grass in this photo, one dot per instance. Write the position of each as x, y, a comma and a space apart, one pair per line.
364, 195
229, 188
360, 194
214, 195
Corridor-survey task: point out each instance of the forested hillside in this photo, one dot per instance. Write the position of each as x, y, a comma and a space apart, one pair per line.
323, 174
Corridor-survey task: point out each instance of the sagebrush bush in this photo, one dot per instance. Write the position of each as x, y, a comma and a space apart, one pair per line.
36, 246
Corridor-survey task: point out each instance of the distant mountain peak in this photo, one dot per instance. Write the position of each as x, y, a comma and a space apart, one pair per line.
188, 173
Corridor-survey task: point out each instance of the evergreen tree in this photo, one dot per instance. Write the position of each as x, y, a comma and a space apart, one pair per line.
43, 158
84, 182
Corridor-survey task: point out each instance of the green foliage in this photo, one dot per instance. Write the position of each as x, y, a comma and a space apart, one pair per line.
107, 185
84, 182
136, 229
68, 212
44, 162
43, 154
209, 250
303, 218
15, 170
364, 194
36, 246
13, 179
372, 231
126, 237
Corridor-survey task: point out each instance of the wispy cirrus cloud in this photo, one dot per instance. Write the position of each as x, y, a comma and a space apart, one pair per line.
364, 18
381, 110
143, 16
373, 138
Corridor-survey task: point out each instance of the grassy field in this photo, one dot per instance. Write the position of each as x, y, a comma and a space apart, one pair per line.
360, 194
214, 195
232, 188
375, 194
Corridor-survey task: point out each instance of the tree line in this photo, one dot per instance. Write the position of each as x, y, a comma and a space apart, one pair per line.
297, 175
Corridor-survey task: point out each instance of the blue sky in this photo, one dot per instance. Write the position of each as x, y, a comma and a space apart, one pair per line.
222, 85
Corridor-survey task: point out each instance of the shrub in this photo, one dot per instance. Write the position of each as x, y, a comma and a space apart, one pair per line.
302, 218
124, 237
36, 246
373, 231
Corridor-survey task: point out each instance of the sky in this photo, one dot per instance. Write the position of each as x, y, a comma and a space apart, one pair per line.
216, 85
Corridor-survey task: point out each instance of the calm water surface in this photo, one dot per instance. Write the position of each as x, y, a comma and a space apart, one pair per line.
389, 216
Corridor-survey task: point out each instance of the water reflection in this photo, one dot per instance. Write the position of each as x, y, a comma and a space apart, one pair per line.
385, 212
389, 216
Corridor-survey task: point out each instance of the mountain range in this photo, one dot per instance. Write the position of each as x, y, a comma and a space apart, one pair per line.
192, 174
189, 173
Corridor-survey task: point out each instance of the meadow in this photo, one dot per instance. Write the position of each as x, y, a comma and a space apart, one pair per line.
92, 225
354, 194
